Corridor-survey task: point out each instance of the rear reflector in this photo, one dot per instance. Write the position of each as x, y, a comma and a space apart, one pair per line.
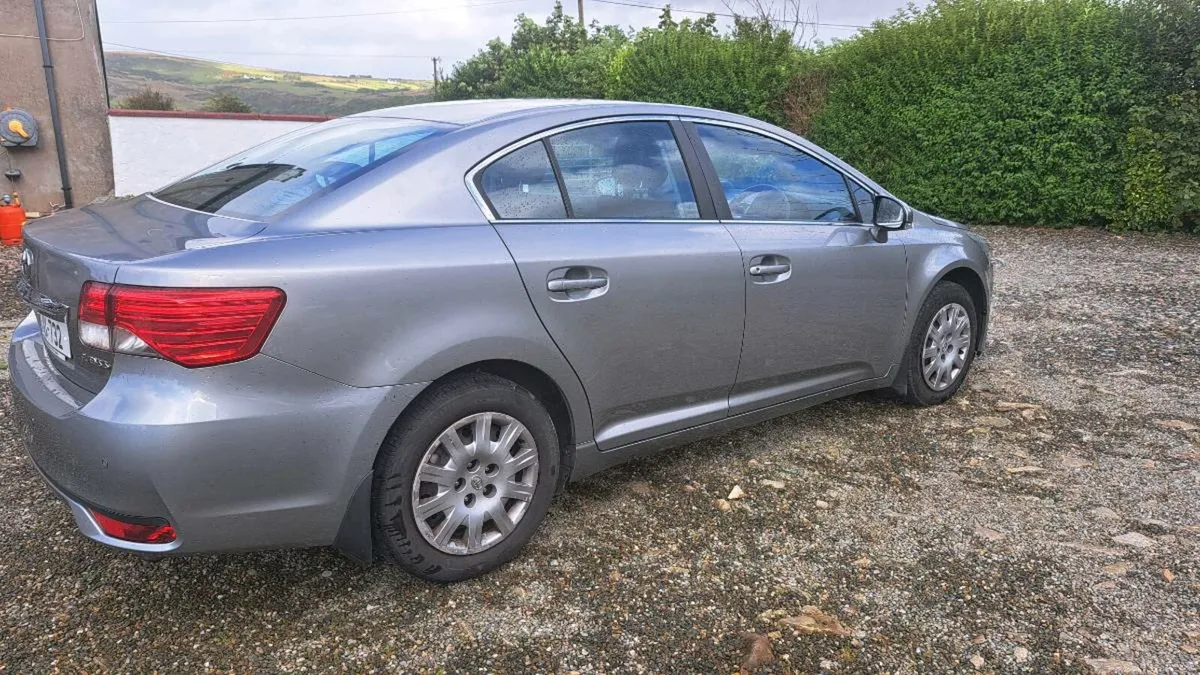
193, 327
145, 531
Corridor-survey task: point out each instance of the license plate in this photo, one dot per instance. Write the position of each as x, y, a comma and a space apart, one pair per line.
56, 336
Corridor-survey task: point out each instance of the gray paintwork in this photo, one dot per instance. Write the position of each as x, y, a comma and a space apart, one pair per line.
401, 277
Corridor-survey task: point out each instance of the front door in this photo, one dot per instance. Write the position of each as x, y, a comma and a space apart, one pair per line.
825, 300
643, 297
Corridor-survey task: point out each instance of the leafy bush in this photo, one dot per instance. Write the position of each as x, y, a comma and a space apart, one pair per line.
1162, 181
147, 99
688, 62
1147, 200
226, 103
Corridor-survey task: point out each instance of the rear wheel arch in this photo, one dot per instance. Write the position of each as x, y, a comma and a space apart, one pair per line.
354, 538
544, 388
402, 535
540, 384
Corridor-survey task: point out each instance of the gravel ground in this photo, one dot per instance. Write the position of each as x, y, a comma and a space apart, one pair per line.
1048, 519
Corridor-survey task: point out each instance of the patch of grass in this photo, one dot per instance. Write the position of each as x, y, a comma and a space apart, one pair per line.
190, 82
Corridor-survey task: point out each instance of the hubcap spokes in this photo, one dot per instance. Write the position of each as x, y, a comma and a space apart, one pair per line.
475, 483
947, 342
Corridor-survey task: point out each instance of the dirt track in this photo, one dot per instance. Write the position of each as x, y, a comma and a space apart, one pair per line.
976, 536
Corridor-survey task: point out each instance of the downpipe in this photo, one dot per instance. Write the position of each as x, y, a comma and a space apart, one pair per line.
52, 93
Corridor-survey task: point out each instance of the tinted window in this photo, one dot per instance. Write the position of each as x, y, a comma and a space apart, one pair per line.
624, 170
764, 179
522, 185
866, 203
270, 178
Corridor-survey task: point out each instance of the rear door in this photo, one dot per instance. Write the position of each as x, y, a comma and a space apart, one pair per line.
824, 298
629, 271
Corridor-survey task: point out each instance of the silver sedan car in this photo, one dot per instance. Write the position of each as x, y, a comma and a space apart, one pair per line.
400, 333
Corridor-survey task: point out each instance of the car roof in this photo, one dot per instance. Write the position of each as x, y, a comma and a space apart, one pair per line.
471, 112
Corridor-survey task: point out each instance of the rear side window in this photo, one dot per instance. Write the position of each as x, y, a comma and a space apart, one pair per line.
764, 179
271, 178
521, 185
624, 170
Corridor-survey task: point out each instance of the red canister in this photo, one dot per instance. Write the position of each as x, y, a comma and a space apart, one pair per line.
12, 219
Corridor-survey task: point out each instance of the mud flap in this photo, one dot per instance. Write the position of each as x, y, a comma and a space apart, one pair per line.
900, 381
354, 535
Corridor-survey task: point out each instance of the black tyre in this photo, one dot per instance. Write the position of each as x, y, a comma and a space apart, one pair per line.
448, 506
942, 347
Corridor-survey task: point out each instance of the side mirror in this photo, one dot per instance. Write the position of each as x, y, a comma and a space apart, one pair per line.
890, 214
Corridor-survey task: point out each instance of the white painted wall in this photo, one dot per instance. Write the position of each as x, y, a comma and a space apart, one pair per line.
150, 152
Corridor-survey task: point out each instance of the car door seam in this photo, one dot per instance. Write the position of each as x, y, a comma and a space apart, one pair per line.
745, 303
542, 322
711, 181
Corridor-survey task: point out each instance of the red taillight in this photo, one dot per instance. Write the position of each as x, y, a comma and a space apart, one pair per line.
93, 303
148, 531
191, 326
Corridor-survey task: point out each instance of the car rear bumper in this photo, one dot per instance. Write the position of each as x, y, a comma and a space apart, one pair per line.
256, 454
86, 522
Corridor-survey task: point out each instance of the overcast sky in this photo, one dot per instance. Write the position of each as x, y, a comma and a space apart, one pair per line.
377, 45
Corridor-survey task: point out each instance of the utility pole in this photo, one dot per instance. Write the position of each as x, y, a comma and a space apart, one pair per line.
581, 13
436, 76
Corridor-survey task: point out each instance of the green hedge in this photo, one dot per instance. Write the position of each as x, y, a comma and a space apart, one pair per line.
746, 72
1004, 111
1048, 112
990, 110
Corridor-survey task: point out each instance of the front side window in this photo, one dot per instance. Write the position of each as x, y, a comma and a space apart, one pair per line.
764, 179
624, 170
521, 185
268, 179
866, 203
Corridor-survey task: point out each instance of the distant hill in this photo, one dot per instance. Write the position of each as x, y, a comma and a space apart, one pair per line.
190, 82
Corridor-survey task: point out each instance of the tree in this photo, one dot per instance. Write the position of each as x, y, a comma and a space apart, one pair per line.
560, 58
227, 103
793, 16
147, 98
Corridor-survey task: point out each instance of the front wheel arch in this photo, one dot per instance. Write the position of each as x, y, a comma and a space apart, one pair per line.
969, 279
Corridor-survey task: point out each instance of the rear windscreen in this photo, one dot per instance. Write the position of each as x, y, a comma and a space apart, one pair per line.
268, 179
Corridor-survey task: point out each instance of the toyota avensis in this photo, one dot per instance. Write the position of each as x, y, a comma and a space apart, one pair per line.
401, 332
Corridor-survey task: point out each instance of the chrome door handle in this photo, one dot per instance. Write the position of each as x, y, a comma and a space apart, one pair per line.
564, 285
769, 270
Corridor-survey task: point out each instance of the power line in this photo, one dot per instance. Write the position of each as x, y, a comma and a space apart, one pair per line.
184, 53
849, 26
317, 17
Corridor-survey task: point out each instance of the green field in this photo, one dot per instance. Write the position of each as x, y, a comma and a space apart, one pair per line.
191, 81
